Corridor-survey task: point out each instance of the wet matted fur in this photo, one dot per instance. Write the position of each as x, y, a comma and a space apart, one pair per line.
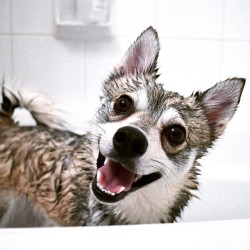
139, 164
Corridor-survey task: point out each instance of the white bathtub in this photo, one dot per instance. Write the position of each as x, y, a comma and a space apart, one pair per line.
224, 194
228, 235
220, 219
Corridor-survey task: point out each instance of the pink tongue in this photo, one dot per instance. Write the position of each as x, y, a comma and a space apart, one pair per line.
113, 177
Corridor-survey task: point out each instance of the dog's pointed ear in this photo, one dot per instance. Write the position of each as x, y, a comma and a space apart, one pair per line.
142, 55
220, 103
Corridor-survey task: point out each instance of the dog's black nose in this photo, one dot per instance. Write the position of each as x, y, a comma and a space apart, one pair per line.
130, 142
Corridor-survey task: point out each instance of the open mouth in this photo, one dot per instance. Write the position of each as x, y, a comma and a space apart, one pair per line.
113, 181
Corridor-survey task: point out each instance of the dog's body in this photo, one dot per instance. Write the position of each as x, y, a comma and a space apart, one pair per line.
139, 167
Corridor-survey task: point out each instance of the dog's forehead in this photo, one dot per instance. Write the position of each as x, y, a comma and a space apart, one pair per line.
163, 105
156, 108
152, 100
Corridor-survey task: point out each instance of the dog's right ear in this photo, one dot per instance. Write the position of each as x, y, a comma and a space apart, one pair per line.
141, 57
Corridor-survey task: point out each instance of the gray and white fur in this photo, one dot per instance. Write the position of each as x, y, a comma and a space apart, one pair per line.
139, 164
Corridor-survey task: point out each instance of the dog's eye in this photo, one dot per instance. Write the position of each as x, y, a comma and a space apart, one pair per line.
123, 105
175, 135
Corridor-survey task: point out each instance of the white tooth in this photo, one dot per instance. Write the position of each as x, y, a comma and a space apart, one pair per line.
137, 177
98, 176
120, 190
110, 193
106, 159
99, 185
105, 190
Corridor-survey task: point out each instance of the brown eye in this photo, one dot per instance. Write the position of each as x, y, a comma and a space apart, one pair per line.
175, 135
123, 105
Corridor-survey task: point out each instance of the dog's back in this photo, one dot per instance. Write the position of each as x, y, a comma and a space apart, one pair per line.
37, 174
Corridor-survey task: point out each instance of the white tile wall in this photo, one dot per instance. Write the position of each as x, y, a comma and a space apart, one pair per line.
5, 57
236, 62
188, 64
237, 19
102, 57
202, 41
54, 66
132, 17
5, 16
236, 58
33, 17
192, 18
99, 63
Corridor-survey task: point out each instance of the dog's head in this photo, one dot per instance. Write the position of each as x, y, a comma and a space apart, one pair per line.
150, 134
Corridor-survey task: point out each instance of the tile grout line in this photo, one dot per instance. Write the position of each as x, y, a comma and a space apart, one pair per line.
156, 5
12, 71
222, 39
85, 84
129, 37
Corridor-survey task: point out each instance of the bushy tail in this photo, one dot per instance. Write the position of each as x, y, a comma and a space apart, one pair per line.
40, 107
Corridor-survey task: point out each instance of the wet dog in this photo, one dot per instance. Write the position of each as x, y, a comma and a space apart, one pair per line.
139, 166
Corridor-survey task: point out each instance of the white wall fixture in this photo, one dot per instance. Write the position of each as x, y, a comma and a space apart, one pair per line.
90, 19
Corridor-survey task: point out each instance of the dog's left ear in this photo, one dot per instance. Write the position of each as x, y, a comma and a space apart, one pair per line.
220, 103
142, 55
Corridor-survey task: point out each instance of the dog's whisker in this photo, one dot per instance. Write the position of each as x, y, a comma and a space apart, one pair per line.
168, 181
165, 166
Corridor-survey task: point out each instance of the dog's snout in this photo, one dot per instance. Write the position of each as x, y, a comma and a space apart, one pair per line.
130, 142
